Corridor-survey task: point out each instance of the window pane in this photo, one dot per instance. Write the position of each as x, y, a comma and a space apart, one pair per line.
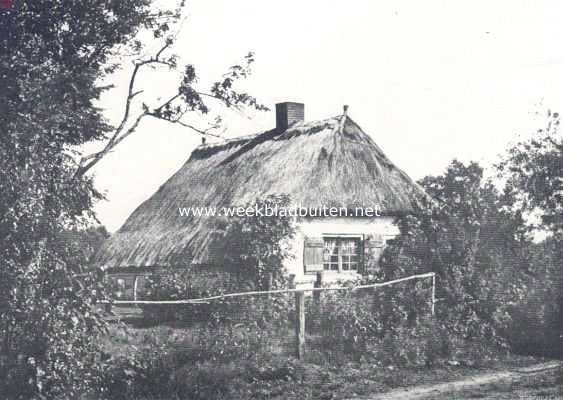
341, 254
350, 252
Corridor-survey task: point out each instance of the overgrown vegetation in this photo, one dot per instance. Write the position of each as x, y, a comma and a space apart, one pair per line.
52, 54
255, 248
499, 286
55, 56
477, 247
491, 291
254, 253
533, 172
251, 354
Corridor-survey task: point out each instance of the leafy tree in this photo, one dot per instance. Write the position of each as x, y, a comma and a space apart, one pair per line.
255, 248
252, 252
83, 243
533, 169
475, 243
54, 56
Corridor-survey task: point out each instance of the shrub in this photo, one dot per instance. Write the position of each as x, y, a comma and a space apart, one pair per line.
191, 283
253, 250
468, 236
387, 325
200, 362
536, 318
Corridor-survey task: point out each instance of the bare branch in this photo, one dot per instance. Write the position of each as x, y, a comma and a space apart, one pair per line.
236, 107
87, 162
166, 45
167, 102
173, 109
205, 132
94, 158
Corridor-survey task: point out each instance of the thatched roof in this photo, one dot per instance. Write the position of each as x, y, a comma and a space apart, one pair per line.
330, 162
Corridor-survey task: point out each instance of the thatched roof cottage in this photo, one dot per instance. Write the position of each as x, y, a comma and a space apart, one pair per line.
331, 163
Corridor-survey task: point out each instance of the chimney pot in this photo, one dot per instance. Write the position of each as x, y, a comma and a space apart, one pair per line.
203, 140
288, 113
345, 109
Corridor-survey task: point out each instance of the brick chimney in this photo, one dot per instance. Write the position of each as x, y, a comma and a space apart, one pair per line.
287, 113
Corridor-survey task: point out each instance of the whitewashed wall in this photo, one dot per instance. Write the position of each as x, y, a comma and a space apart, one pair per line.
383, 226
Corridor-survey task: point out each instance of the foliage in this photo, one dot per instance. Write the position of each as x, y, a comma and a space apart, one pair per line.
372, 325
58, 50
255, 247
254, 251
82, 242
191, 283
201, 282
471, 238
536, 320
533, 170
170, 362
55, 56
476, 242
190, 97
51, 56
197, 361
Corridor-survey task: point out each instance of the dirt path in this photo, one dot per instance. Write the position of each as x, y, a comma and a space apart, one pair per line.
450, 389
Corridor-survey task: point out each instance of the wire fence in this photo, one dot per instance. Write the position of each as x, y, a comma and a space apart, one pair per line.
299, 320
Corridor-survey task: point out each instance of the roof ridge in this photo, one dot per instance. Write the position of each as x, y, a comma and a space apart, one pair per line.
342, 121
250, 137
230, 140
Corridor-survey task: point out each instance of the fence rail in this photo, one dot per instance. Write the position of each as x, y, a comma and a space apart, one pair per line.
278, 291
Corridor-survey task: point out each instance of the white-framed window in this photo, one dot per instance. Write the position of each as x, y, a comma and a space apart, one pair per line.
342, 253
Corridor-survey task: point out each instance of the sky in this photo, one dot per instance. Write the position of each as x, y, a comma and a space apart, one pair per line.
430, 81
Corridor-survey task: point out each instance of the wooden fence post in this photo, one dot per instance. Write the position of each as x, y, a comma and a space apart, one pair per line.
300, 324
317, 293
433, 292
135, 284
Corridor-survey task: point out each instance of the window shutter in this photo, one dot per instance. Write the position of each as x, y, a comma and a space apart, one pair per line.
373, 248
313, 254
371, 244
